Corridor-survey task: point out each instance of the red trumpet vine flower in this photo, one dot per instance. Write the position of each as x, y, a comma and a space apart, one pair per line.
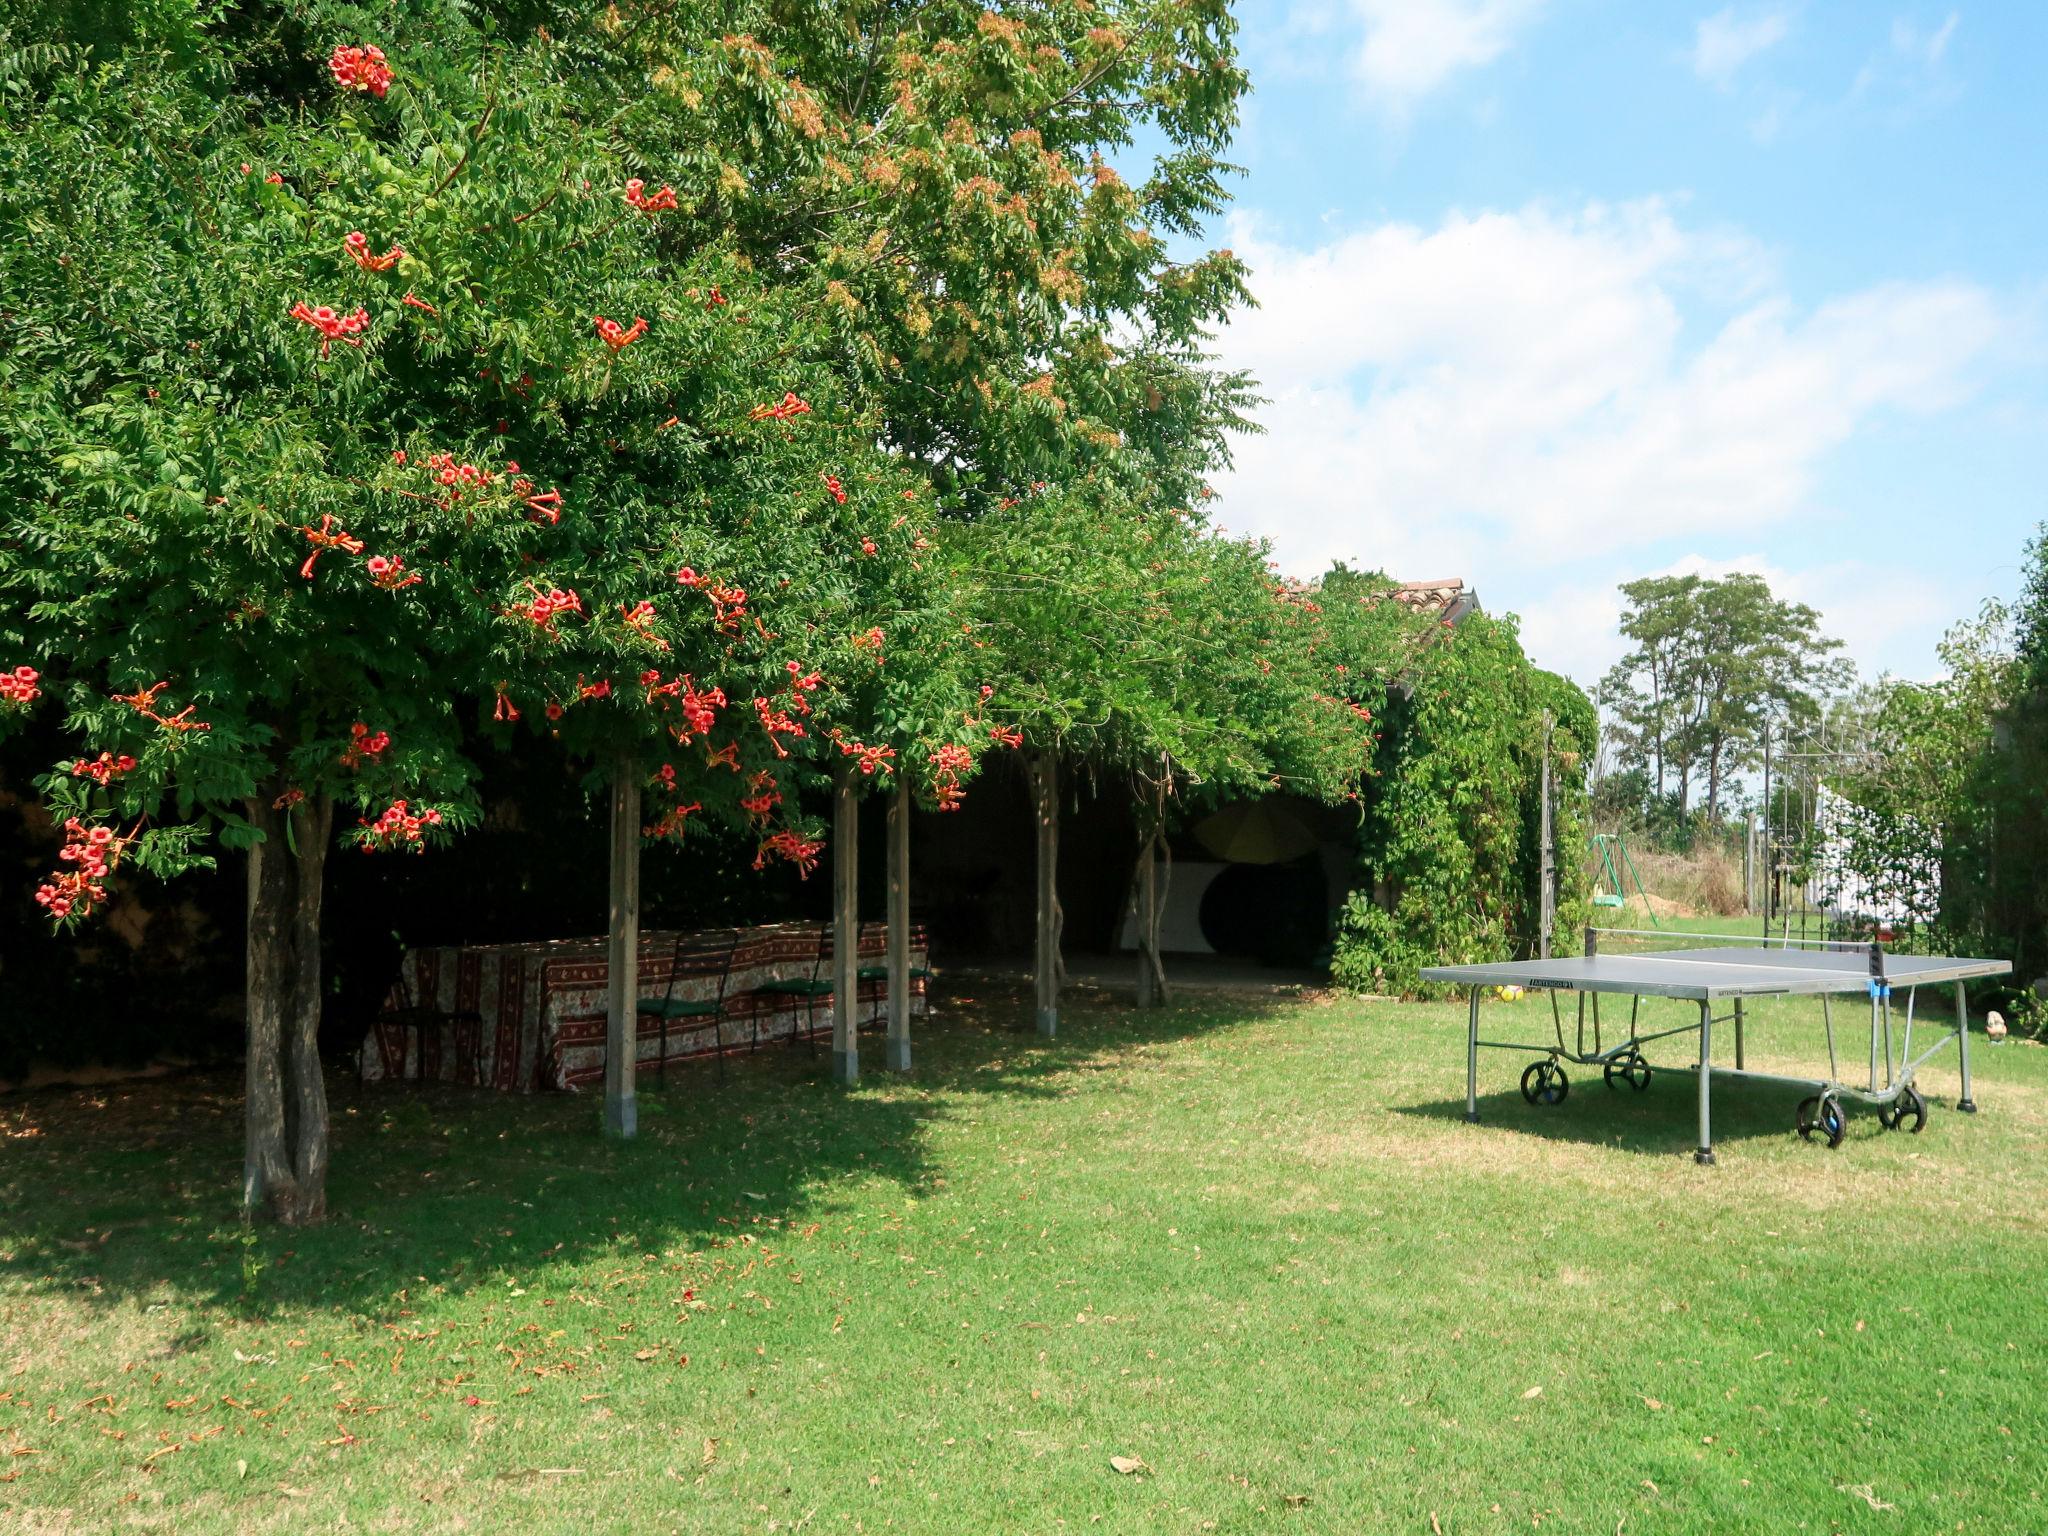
800, 851
548, 504
948, 763
94, 851
837, 487
389, 572
143, 702
104, 768
363, 744
873, 760
18, 688
546, 605
332, 326
357, 244
762, 796
618, 337
327, 537
649, 202
778, 724
671, 822
397, 827
790, 406
360, 69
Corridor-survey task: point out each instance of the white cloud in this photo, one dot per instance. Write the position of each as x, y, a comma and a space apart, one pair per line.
1523, 398
1909, 42
1411, 47
1725, 41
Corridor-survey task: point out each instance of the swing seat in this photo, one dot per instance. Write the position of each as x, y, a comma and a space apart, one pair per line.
1605, 900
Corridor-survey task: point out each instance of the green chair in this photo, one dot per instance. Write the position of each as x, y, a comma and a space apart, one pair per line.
879, 971
812, 989
696, 956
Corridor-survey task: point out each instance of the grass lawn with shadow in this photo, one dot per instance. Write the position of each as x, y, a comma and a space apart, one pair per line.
1248, 1245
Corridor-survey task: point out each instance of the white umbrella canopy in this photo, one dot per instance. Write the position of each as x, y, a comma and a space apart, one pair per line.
1260, 831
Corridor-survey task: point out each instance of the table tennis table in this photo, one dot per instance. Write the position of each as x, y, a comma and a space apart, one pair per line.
1727, 974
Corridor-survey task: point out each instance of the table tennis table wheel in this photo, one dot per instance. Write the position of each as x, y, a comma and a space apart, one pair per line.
1823, 1115
1907, 1106
1630, 1069
1545, 1083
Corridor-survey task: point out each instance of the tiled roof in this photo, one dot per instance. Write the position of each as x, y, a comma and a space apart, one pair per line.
1430, 596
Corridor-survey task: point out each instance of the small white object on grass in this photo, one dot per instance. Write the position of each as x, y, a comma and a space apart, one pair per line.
1994, 1026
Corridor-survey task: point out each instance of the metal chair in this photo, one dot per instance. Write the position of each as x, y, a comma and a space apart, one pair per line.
916, 976
418, 1017
812, 988
696, 955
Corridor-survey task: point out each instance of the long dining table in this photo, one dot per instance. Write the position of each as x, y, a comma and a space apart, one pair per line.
531, 1016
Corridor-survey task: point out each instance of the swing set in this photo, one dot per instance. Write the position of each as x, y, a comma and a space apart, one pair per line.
1608, 887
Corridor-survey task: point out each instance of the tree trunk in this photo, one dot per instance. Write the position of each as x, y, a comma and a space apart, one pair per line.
307, 1090
284, 1168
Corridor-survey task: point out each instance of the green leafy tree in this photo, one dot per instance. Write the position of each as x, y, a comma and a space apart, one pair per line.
1130, 639
1713, 661
371, 412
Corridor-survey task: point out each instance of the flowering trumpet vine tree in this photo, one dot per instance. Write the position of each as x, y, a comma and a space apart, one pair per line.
371, 412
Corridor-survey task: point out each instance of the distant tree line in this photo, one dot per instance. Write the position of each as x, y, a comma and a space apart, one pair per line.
1714, 664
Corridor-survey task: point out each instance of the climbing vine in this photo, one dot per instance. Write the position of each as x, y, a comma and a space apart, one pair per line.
1449, 845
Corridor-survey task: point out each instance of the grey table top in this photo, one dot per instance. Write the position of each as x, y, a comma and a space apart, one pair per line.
1704, 974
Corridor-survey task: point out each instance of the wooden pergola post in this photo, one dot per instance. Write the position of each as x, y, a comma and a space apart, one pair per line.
622, 1003
1151, 967
898, 1049
1045, 803
845, 923
1148, 921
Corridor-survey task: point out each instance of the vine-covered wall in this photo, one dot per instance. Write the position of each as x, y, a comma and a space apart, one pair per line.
1450, 846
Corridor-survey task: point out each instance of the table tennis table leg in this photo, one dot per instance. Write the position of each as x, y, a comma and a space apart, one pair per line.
1738, 1034
1873, 1037
1472, 1060
1705, 1155
1966, 1104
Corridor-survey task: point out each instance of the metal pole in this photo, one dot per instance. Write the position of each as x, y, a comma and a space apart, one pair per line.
622, 972
1770, 854
845, 923
1705, 1155
1547, 901
1472, 1060
1738, 1034
1966, 1104
897, 1052
1873, 1037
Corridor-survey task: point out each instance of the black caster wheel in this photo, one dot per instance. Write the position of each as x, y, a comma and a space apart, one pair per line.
1822, 1116
1908, 1112
1545, 1083
1630, 1069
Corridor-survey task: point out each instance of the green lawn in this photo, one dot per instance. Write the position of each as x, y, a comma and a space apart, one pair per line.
1252, 1245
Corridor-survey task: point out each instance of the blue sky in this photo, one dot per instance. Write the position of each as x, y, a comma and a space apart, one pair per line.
1556, 293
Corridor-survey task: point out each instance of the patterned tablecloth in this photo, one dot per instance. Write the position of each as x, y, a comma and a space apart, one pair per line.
543, 1006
